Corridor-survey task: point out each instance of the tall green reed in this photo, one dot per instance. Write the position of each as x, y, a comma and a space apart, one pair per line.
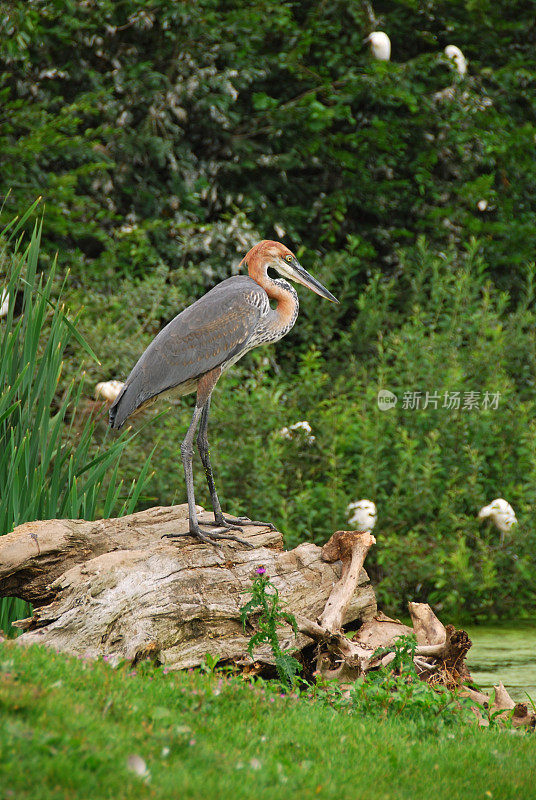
50, 466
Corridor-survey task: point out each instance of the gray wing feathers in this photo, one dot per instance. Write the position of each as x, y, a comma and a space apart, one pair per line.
208, 333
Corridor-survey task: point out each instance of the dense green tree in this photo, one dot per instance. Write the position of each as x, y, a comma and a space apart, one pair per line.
182, 131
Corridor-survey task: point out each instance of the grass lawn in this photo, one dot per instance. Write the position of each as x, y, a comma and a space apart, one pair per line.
70, 728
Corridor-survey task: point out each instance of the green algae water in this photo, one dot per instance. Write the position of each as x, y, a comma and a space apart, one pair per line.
505, 653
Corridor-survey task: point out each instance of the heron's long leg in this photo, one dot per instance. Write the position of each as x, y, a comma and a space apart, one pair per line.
204, 452
187, 452
203, 447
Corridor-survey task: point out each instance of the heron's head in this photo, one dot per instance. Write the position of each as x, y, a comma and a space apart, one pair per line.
362, 514
501, 514
274, 255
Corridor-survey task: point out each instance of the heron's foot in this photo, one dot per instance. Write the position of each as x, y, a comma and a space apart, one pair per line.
239, 523
223, 522
209, 537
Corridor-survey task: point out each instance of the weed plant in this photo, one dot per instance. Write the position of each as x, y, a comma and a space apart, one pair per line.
265, 602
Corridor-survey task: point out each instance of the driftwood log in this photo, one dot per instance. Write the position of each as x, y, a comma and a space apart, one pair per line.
116, 588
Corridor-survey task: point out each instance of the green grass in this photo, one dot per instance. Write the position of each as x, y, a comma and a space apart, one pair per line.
69, 727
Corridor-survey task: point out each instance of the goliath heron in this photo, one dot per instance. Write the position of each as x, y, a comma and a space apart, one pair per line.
204, 340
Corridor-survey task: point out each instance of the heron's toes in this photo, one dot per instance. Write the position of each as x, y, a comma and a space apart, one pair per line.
217, 535
243, 521
226, 524
214, 537
258, 523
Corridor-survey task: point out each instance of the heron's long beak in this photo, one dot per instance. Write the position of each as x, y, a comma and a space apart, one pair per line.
300, 275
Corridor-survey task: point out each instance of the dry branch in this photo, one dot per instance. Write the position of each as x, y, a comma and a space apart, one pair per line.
428, 629
502, 701
351, 548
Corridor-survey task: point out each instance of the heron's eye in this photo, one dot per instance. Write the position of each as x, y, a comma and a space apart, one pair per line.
288, 258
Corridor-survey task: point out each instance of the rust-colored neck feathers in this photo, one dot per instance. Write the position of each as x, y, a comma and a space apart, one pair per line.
257, 261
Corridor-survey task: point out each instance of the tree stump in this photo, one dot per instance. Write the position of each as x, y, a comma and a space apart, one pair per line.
115, 588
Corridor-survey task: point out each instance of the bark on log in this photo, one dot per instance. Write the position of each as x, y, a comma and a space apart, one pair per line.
380, 631
115, 588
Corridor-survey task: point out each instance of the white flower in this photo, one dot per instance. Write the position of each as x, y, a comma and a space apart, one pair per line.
298, 430
455, 54
301, 425
380, 45
501, 514
362, 514
482, 205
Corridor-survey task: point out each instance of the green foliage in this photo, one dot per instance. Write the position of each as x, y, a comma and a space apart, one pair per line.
48, 467
179, 132
397, 691
265, 602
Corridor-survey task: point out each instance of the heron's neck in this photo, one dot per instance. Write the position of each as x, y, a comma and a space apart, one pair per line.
286, 298
286, 311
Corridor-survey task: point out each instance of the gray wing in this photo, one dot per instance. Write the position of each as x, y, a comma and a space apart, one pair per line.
208, 333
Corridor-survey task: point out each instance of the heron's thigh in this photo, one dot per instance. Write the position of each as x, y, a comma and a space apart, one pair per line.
206, 384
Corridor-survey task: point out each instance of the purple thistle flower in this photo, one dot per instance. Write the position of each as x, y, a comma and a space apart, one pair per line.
260, 570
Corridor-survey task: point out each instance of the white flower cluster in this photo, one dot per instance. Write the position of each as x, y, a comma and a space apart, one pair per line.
362, 514
501, 513
297, 428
